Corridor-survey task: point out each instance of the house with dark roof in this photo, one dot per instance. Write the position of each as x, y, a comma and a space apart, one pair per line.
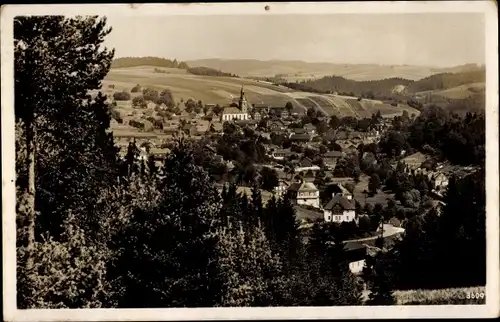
276, 124
355, 253
300, 137
339, 209
281, 154
278, 111
304, 193
330, 158
310, 129
298, 130
338, 189
306, 164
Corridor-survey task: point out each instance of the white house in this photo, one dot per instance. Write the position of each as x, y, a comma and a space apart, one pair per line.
305, 193
356, 256
440, 181
237, 113
339, 209
281, 188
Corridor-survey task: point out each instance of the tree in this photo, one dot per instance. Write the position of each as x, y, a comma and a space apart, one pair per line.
247, 267
374, 184
150, 94
65, 274
217, 109
190, 105
166, 97
334, 122
257, 215
289, 107
206, 109
157, 240
121, 96
57, 60
381, 281
269, 178
139, 101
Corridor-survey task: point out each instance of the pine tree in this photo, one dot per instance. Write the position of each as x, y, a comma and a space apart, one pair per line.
156, 267
287, 231
57, 60
257, 206
382, 284
131, 157
247, 268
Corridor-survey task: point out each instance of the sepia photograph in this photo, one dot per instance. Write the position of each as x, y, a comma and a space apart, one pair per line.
250, 160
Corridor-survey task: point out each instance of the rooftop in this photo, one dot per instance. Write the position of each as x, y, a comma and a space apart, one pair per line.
342, 201
232, 110
302, 186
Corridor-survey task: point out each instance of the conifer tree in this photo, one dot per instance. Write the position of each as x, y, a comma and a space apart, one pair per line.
156, 267
57, 61
70, 160
257, 206
247, 268
382, 283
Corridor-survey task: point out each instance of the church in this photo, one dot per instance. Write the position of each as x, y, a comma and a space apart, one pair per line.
237, 113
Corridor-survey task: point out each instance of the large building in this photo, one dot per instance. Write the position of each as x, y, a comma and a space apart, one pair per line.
239, 112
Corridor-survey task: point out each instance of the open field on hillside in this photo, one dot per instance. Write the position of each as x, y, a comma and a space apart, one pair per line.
300, 70
224, 90
381, 197
462, 91
448, 296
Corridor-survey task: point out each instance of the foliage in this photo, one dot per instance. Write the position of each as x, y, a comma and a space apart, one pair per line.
157, 241
205, 71
456, 238
121, 96
75, 158
269, 178
147, 61
139, 101
246, 280
67, 274
150, 94
136, 88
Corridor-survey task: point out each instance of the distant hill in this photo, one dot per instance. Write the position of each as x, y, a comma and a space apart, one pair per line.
127, 62
444, 81
294, 70
341, 85
147, 61
448, 85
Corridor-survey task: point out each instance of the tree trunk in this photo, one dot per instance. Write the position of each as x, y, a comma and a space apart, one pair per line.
30, 143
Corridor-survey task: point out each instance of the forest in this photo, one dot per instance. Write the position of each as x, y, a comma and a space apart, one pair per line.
123, 62
205, 71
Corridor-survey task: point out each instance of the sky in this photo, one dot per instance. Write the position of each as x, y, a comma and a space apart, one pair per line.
429, 39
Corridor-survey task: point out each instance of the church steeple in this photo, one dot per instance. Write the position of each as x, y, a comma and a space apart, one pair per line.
243, 102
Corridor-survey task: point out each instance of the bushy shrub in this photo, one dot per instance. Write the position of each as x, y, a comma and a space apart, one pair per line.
121, 96
136, 88
66, 274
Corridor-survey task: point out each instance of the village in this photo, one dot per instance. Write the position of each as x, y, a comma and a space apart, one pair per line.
305, 161
289, 176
